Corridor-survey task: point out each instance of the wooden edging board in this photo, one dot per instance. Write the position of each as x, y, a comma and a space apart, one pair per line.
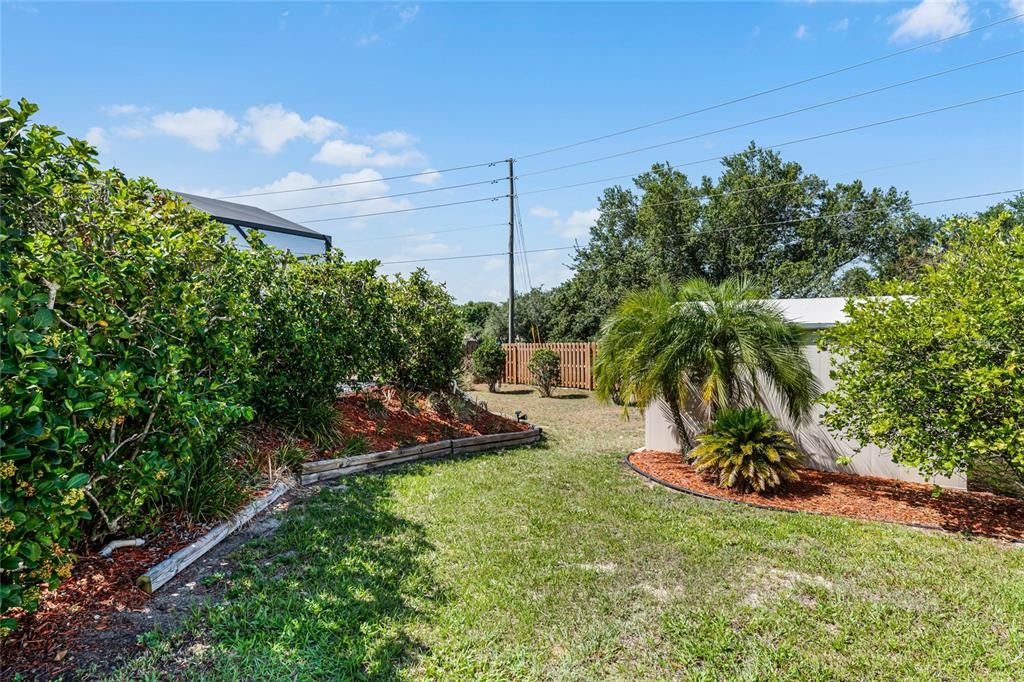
159, 575
314, 472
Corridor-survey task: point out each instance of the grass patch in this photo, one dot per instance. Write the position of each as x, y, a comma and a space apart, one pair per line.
556, 563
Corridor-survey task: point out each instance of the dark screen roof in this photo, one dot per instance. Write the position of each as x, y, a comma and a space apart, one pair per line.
249, 216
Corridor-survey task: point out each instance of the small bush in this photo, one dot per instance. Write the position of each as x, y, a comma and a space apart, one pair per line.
545, 366
211, 487
427, 346
355, 445
746, 451
375, 406
288, 457
320, 423
489, 363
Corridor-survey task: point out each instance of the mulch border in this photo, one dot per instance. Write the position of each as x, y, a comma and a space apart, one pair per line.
923, 526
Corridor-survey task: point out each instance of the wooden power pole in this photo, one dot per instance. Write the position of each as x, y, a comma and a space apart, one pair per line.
511, 251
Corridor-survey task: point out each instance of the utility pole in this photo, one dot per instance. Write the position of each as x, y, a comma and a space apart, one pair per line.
511, 251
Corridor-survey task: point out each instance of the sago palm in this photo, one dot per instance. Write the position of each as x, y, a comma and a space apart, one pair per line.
746, 451
703, 344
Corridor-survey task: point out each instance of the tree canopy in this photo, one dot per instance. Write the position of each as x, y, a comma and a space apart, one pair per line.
764, 218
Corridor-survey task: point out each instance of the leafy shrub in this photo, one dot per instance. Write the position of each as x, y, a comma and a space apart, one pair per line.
545, 366
320, 324
745, 450
137, 338
937, 377
126, 354
489, 363
429, 331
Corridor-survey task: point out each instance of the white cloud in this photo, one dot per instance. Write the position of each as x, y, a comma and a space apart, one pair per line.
97, 137
578, 223
360, 187
429, 176
408, 13
931, 19
801, 32
392, 139
123, 109
129, 131
543, 212
841, 25
1016, 7
202, 128
342, 153
369, 39
272, 127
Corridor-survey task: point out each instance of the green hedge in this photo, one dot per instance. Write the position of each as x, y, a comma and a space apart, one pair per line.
137, 338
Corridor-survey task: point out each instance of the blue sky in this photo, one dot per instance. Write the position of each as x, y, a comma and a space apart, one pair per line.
223, 98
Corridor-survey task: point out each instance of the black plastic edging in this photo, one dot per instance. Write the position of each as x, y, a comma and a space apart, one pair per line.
924, 526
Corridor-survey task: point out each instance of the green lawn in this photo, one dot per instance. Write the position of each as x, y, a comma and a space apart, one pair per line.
557, 563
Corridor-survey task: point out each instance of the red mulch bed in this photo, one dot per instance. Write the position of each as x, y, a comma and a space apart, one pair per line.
861, 497
394, 426
83, 604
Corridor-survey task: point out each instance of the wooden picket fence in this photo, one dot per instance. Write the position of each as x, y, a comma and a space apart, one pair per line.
577, 361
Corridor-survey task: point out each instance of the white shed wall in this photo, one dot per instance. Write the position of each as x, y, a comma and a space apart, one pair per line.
820, 447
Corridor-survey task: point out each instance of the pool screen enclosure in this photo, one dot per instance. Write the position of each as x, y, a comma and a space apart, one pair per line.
241, 219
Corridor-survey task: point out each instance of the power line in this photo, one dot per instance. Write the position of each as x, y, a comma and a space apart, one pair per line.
745, 190
403, 235
772, 185
773, 117
407, 210
725, 229
475, 255
519, 213
364, 182
867, 210
775, 89
751, 189
394, 196
811, 137
522, 244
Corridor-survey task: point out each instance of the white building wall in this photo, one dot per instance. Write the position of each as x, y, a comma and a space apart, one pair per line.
820, 447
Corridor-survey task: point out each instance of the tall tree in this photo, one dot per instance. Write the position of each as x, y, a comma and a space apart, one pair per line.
533, 318
763, 218
474, 316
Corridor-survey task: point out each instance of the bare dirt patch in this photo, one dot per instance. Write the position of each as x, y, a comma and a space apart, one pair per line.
861, 497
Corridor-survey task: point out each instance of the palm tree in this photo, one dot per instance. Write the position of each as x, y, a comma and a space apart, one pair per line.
717, 345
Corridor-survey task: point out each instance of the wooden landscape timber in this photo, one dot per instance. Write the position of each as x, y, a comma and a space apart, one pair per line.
314, 472
159, 575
